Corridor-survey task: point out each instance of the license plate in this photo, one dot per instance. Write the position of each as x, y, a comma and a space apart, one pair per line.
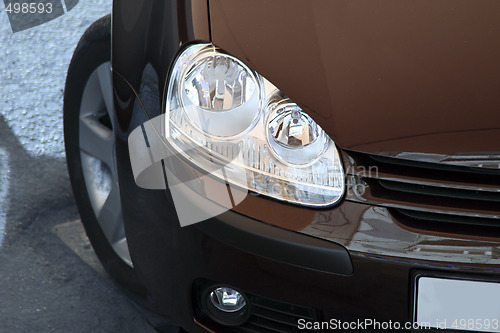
446, 303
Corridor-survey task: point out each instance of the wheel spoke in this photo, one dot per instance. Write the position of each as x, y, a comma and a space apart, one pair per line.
106, 85
121, 248
110, 218
96, 140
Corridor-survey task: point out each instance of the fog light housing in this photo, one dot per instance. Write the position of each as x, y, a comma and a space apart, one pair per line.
225, 305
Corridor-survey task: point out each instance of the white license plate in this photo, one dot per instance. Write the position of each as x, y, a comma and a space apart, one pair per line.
458, 304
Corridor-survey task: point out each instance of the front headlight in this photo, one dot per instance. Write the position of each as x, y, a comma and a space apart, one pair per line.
220, 112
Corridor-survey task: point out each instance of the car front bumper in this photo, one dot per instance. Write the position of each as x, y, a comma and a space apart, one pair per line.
294, 268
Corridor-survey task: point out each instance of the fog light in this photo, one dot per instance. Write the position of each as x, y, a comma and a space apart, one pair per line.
227, 299
225, 305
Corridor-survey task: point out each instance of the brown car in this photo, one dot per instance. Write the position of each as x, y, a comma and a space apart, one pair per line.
356, 145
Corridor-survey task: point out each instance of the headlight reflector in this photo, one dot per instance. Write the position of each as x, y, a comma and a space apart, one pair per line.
218, 89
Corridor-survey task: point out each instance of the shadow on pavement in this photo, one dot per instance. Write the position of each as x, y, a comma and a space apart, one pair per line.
44, 285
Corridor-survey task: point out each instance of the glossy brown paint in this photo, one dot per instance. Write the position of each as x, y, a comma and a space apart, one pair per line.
379, 76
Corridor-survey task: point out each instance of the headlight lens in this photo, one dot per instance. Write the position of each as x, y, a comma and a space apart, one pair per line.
220, 111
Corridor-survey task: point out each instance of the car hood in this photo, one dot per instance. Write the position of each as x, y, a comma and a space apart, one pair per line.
414, 79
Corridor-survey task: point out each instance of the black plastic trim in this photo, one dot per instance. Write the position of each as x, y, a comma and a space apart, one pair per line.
278, 244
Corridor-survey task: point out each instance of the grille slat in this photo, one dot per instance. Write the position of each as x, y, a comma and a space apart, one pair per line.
437, 191
273, 325
437, 183
250, 328
447, 218
377, 195
286, 309
429, 198
440, 191
273, 316
276, 316
450, 170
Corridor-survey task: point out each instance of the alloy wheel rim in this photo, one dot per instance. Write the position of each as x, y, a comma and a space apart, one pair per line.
97, 153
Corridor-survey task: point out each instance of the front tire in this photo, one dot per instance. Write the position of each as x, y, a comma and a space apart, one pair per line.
90, 152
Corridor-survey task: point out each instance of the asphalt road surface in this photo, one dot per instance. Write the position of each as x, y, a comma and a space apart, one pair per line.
50, 279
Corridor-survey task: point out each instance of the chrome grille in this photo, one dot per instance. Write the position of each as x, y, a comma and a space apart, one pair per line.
436, 196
